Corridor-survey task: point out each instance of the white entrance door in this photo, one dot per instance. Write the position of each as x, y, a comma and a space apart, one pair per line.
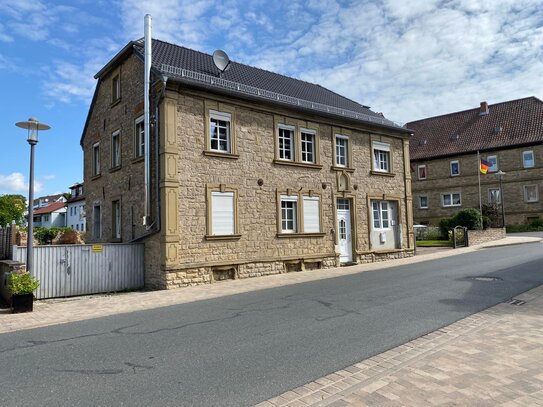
344, 231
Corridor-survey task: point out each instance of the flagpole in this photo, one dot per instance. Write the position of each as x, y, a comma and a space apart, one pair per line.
479, 179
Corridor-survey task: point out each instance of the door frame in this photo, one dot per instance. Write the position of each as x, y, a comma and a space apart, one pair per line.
354, 228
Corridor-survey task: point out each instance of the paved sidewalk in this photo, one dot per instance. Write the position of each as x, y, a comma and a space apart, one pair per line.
492, 358
58, 311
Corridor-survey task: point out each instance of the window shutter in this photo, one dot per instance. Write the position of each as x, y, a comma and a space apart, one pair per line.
311, 214
222, 213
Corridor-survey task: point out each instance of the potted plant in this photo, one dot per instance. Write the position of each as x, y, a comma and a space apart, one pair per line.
21, 287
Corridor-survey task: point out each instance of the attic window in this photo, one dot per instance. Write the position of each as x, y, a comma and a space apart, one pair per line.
115, 88
498, 129
455, 137
423, 142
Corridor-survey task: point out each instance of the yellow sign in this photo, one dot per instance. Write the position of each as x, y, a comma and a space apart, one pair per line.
97, 248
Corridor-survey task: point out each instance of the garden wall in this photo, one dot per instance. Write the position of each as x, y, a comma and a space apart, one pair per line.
476, 237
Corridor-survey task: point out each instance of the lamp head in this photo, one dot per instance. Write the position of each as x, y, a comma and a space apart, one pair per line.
33, 126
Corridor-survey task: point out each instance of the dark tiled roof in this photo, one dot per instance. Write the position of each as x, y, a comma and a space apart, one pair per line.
55, 206
508, 124
184, 58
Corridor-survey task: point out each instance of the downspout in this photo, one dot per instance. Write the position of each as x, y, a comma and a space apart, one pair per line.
147, 138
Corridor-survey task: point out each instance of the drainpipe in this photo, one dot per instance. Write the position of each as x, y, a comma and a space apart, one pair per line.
146, 85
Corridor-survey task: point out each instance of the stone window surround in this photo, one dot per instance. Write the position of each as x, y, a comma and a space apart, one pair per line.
96, 170
139, 138
422, 166
216, 108
420, 202
299, 196
116, 158
451, 165
526, 193
524, 153
221, 188
451, 195
491, 159
298, 126
116, 219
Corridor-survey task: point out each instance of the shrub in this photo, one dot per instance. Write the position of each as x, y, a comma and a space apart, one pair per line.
445, 225
537, 223
487, 222
469, 218
22, 283
46, 235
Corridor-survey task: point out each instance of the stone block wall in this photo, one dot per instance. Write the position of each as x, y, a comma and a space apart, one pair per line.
476, 237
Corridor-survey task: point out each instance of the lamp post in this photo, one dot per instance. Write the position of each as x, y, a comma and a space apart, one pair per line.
33, 126
500, 175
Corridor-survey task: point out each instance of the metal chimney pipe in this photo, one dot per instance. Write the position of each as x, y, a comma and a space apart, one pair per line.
146, 107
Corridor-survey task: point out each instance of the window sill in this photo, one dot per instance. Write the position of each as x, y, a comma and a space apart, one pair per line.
336, 168
218, 154
222, 237
282, 235
115, 103
138, 159
116, 240
95, 177
382, 173
297, 164
114, 169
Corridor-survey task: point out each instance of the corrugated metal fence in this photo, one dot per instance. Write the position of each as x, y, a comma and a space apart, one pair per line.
68, 270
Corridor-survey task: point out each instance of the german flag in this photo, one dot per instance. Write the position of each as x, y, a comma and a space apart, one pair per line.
485, 165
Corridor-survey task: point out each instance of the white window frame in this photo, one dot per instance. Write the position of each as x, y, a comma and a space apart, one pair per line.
217, 116
491, 193
451, 197
115, 88
96, 159
493, 161
420, 202
282, 150
220, 215
381, 212
116, 149
381, 156
139, 137
420, 167
526, 193
311, 207
524, 153
451, 164
308, 144
289, 213
342, 160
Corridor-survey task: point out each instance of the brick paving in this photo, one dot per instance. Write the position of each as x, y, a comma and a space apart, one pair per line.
491, 358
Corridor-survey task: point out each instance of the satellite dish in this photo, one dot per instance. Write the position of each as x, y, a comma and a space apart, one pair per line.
221, 60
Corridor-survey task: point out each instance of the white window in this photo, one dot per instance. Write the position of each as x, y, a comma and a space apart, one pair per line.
286, 143
96, 159
219, 131
493, 161
307, 138
116, 88
422, 172
116, 219
531, 193
342, 151
289, 205
455, 168
381, 157
528, 159
423, 202
222, 213
97, 222
139, 137
494, 196
451, 199
381, 215
116, 149
311, 214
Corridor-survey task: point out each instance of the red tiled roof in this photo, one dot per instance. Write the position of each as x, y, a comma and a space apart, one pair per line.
50, 208
513, 123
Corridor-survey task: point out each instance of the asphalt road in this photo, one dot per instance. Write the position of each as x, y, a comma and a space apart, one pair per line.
243, 349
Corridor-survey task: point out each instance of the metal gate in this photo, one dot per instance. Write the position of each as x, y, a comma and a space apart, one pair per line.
460, 237
68, 270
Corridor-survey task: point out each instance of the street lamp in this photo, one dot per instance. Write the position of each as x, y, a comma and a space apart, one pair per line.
500, 174
33, 126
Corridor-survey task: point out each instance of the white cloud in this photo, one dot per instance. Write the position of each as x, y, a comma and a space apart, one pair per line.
16, 183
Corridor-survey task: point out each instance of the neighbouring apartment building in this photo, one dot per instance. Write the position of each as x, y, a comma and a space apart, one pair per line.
51, 216
75, 211
445, 164
250, 173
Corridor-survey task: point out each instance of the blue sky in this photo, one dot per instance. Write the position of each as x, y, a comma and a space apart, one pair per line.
407, 59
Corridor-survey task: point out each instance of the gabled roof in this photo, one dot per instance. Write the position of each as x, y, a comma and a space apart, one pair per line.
55, 206
197, 69
48, 198
507, 124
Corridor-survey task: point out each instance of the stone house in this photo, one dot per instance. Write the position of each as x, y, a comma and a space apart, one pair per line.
251, 173
445, 164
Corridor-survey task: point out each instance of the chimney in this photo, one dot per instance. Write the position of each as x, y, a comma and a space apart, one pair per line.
484, 109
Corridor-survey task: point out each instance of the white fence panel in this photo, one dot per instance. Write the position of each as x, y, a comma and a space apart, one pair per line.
68, 270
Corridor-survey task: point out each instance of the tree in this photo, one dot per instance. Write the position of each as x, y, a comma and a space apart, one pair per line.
12, 208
